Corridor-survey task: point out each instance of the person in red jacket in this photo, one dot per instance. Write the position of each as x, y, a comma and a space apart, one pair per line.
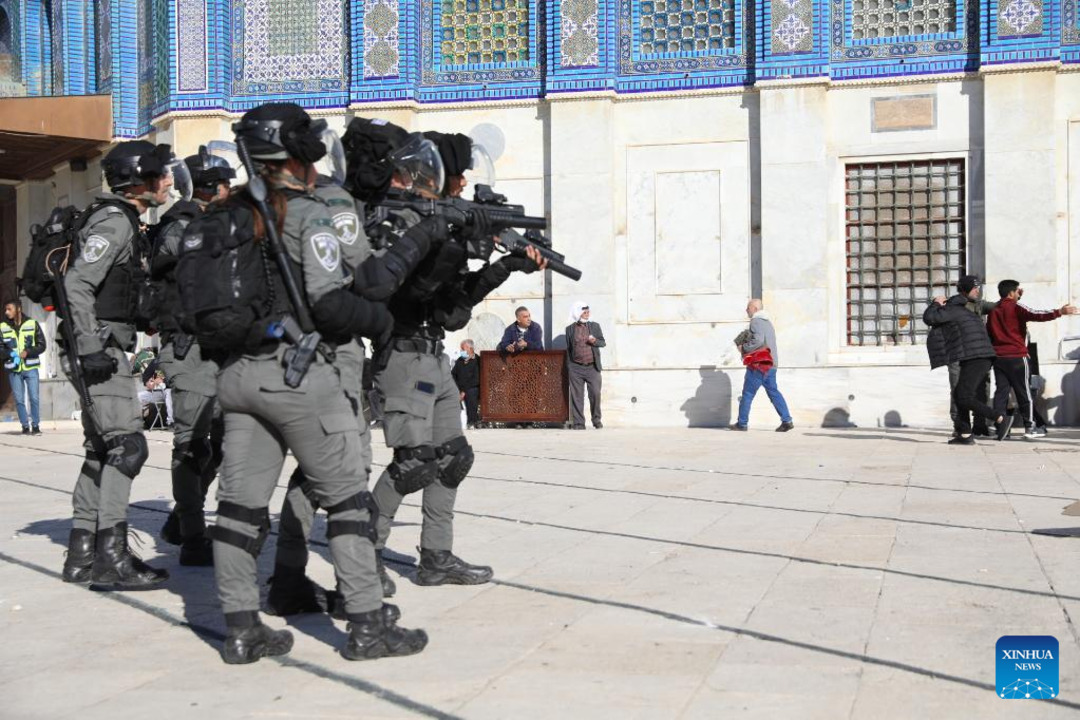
1007, 325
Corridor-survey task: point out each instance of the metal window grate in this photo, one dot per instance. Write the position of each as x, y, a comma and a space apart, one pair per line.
871, 19
906, 233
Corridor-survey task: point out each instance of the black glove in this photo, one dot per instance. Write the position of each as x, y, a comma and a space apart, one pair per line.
516, 263
97, 367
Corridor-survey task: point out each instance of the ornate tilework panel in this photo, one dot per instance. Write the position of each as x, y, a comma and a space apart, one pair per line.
872, 19
56, 43
792, 26
191, 25
1017, 18
104, 45
1070, 22
261, 67
580, 33
686, 26
484, 31
381, 38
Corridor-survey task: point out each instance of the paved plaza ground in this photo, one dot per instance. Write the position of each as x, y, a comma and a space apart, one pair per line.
639, 574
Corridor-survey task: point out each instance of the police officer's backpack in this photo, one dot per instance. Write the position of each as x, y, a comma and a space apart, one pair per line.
229, 292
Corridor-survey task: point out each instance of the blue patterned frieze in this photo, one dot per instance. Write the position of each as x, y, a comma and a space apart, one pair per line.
382, 51
580, 33
792, 26
1020, 18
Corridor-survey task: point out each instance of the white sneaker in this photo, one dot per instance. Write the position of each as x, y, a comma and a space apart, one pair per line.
1034, 434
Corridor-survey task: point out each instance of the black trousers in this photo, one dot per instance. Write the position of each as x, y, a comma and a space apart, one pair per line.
472, 405
972, 373
1014, 374
982, 393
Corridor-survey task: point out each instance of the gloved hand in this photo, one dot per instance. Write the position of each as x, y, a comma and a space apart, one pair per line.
97, 367
515, 263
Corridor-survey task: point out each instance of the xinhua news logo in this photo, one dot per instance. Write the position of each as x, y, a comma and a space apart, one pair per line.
1027, 667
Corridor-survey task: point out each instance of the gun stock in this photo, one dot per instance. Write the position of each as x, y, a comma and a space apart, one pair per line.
71, 346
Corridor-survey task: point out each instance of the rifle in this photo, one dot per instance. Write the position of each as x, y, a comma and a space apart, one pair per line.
300, 333
55, 264
490, 211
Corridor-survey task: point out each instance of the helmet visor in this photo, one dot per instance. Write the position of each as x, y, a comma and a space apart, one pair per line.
481, 167
226, 152
177, 170
419, 166
332, 164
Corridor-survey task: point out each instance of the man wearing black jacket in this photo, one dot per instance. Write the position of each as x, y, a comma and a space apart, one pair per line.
466, 374
958, 335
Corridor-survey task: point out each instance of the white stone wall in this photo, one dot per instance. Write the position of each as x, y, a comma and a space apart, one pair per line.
677, 207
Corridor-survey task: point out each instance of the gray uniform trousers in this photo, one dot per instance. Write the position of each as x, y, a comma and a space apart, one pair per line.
263, 419
298, 512
193, 382
102, 492
413, 417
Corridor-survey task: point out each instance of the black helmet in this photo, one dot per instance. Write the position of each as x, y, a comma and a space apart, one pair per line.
208, 170
368, 145
455, 150
134, 162
278, 131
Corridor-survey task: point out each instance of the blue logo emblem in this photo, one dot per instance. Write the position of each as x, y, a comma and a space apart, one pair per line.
1027, 667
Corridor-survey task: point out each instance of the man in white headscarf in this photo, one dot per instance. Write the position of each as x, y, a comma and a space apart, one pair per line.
584, 339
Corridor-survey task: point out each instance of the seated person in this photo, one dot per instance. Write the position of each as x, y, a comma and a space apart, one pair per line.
152, 391
523, 335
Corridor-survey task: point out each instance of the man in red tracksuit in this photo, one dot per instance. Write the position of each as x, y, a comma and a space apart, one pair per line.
1007, 325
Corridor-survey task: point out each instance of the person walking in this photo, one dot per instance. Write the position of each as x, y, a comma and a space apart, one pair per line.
761, 359
466, 374
24, 343
584, 339
959, 335
1007, 327
981, 308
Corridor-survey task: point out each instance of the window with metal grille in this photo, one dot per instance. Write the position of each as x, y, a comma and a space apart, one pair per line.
872, 19
906, 239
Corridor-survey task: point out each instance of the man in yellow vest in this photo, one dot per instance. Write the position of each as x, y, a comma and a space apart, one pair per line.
23, 344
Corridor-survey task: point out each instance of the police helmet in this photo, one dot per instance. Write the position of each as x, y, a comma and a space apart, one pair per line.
278, 131
368, 145
208, 170
134, 162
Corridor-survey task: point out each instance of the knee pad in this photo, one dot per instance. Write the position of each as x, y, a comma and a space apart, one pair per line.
361, 501
416, 478
128, 453
258, 518
454, 470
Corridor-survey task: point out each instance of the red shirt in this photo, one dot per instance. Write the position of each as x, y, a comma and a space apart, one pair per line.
1007, 325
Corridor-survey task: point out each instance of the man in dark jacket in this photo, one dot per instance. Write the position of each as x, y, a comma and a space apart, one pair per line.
584, 339
522, 335
958, 335
1007, 325
466, 374
982, 308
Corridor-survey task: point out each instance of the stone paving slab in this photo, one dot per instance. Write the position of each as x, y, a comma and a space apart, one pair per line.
639, 574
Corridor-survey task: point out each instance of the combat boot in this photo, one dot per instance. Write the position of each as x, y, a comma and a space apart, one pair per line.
170, 531
372, 636
335, 608
388, 586
293, 593
442, 567
80, 556
245, 645
117, 568
197, 551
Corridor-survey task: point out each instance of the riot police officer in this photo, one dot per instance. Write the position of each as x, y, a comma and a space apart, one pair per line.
103, 278
265, 416
376, 278
198, 426
422, 417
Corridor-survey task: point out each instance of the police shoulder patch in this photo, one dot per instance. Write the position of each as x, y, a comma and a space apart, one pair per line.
94, 248
326, 250
347, 226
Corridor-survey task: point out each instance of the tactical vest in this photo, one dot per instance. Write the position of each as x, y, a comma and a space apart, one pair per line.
117, 297
22, 338
163, 265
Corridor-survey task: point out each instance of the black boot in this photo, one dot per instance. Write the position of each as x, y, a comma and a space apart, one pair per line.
116, 568
170, 531
80, 556
335, 608
294, 593
248, 639
371, 637
388, 586
197, 551
442, 567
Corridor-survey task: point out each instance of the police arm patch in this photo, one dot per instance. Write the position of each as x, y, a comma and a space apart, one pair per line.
326, 250
347, 224
94, 248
